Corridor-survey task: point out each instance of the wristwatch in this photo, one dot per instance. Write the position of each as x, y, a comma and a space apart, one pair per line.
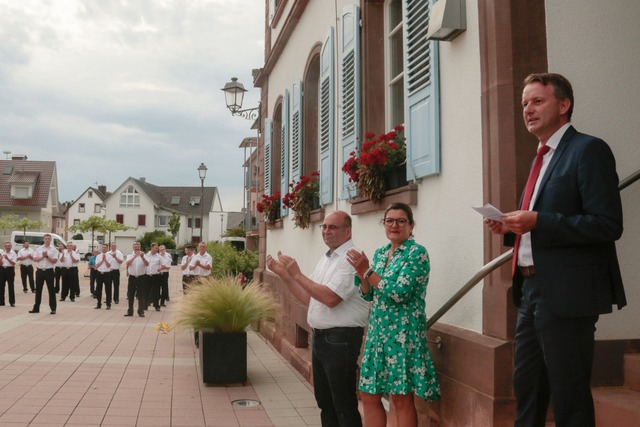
368, 273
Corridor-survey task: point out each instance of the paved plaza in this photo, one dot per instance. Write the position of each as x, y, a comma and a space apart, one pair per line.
87, 367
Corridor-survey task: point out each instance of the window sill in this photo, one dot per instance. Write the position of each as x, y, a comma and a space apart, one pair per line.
275, 225
317, 215
407, 194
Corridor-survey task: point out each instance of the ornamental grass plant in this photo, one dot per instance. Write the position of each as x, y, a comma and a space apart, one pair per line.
223, 305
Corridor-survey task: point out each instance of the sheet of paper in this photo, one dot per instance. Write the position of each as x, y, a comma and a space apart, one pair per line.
489, 211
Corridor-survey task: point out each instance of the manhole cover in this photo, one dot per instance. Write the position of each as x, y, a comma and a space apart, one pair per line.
245, 403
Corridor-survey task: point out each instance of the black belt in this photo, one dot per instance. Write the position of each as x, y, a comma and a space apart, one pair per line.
8, 267
133, 275
338, 329
527, 271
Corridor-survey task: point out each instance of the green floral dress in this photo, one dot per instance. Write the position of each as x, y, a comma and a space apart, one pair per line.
396, 358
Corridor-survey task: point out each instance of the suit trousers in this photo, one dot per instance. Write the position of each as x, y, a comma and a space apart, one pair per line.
115, 279
164, 290
7, 277
154, 284
553, 360
42, 277
26, 273
334, 359
65, 290
103, 280
136, 287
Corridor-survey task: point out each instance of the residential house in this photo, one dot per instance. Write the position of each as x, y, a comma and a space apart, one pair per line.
147, 207
335, 70
90, 203
29, 189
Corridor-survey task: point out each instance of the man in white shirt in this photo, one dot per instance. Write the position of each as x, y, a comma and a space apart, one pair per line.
165, 266
187, 276
25, 258
201, 262
65, 261
136, 271
8, 273
103, 277
73, 276
118, 259
45, 257
154, 281
337, 314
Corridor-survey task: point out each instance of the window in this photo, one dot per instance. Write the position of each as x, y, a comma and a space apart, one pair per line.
97, 208
198, 222
120, 218
284, 151
76, 222
142, 220
81, 207
21, 191
130, 198
310, 114
90, 194
162, 221
395, 63
175, 200
194, 201
189, 223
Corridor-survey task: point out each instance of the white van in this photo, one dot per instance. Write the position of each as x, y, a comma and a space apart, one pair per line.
35, 239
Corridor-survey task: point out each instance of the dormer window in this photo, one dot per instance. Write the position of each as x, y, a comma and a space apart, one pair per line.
195, 201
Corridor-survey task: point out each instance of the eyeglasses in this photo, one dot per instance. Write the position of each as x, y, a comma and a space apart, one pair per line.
400, 222
332, 227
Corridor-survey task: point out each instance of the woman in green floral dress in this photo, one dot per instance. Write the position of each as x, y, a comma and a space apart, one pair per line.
396, 359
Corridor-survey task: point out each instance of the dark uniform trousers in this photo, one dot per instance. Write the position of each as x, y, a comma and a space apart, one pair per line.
103, 280
26, 273
7, 277
45, 276
136, 287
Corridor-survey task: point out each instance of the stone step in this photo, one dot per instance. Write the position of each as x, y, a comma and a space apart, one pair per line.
616, 407
632, 371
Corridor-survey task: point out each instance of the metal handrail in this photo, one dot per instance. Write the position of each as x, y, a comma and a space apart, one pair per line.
496, 263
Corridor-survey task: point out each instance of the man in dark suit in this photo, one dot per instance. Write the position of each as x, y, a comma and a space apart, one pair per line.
566, 272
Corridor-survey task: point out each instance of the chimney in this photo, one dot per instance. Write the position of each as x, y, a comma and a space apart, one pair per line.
18, 157
102, 189
143, 179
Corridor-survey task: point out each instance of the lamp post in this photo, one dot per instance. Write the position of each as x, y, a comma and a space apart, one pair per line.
202, 172
234, 95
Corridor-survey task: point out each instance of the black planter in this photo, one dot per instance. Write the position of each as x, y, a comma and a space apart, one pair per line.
396, 178
223, 357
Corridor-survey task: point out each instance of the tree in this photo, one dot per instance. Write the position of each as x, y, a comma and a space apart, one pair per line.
157, 236
237, 231
12, 222
174, 225
93, 224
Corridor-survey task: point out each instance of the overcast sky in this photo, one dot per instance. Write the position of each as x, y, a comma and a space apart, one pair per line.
115, 88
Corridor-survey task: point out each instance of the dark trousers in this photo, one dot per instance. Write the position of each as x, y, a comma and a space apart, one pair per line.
65, 290
335, 363
74, 281
7, 277
154, 283
93, 273
164, 288
103, 280
58, 277
136, 288
553, 360
26, 274
187, 279
115, 279
42, 277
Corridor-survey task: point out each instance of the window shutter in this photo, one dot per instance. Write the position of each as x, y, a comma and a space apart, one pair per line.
284, 152
350, 88
296, 131
326, 118
422, 100
268, 133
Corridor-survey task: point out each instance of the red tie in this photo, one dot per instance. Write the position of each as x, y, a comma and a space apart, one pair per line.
526, 198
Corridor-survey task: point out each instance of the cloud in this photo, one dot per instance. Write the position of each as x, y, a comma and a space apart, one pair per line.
117, 88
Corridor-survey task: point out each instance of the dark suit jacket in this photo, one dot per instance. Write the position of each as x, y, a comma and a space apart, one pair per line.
579, 220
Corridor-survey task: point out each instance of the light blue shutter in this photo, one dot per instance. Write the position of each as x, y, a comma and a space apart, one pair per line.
326, 119
350, 88
284, 152
296, 131
422, 99
268, 133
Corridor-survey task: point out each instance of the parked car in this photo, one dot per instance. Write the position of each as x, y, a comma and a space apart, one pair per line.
35, 239
84, 247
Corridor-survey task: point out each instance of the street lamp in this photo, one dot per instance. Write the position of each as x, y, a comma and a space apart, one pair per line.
234, 95
202, 172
